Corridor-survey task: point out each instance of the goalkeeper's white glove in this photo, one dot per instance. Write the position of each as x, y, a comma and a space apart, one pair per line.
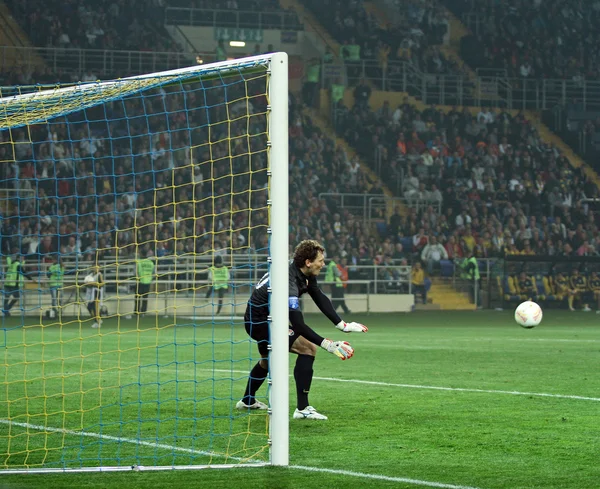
341, 349
351, 327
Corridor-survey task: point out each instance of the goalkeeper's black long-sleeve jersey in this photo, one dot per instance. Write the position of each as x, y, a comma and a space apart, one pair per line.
299, 284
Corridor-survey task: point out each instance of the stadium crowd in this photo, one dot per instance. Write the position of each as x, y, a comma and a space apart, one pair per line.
106, 186
97, 24
536, 39
502, 189
414, 37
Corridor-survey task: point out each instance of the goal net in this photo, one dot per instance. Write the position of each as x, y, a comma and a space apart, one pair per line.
137, 214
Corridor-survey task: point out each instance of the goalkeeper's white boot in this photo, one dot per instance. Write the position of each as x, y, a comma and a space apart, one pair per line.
241, 405
309, 412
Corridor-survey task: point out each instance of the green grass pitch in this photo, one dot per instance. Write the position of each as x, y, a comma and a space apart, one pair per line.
434, 399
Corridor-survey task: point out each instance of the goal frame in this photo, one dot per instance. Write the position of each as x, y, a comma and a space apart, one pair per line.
278, 260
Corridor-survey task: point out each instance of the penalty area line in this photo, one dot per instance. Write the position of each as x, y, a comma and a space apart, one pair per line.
191, 451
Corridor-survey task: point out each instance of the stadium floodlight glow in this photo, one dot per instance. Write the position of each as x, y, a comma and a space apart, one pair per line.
237, 44
175, 167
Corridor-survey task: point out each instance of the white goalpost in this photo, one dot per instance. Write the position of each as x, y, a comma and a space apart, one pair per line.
166, 171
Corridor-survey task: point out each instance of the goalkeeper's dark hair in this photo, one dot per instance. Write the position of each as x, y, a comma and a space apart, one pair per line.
307, 250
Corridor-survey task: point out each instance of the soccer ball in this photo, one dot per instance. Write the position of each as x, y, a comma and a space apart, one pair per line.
528, 314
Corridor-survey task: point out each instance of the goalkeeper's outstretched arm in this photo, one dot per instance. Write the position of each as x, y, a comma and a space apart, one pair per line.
341, 349
324, 304
303, 329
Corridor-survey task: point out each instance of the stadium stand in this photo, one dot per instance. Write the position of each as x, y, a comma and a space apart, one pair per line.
265, 14
578, 127
70, 176
504, 189
98, 24
481, 182
537, 39
414, 38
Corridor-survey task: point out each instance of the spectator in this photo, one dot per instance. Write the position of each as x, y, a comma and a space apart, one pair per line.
418, 281
432, 253
362, 94
310, 90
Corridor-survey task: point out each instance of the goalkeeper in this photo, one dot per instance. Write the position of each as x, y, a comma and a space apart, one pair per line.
303, 341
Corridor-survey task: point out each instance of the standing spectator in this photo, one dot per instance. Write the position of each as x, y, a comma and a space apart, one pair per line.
362, 94
145, 273
470, 272
219, 276
310, 90
13, 282
418, 280
333, 276
56, 273
432, 254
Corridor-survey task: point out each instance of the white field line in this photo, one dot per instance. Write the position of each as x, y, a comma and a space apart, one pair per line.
347, 473
185, 376
436, 388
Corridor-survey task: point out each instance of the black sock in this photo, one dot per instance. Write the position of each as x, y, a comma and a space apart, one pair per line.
255, 380
220, 306
303, 374
11, 304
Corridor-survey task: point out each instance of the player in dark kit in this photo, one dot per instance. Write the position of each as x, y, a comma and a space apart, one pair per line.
303, 341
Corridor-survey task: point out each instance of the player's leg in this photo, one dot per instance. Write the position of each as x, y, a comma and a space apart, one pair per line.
137, 306
221, 295
145, 293
597, 297
91, 309
343, 301
209, 292
13, 296
54, 300
260, 333
586, 297
570, 299
95, 306
99, 310
303, 375
303, 371
335, 297
7, 294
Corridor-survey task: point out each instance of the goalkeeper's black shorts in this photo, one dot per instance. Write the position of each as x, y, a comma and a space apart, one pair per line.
258, 330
